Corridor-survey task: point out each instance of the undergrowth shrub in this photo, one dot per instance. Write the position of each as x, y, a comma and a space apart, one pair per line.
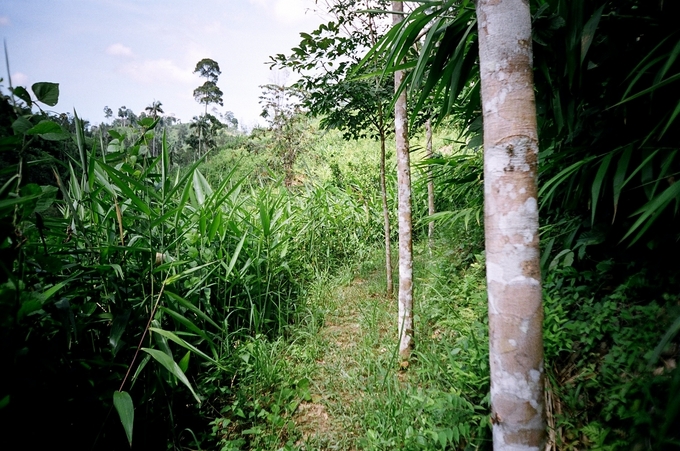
605, 388
128, 277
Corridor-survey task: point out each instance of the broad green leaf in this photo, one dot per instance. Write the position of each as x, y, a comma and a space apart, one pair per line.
172, 367
146, 122
126, 412
456, 433
21, 125
4, 402
44, 127
47, 93
21, 92
202, 188
442, 438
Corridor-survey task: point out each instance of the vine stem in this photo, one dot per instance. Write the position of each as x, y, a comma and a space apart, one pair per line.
146, 329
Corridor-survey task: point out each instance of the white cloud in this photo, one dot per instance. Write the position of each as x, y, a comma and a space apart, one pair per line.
158, 71
4, 20
287, 11
119, 50
19, 79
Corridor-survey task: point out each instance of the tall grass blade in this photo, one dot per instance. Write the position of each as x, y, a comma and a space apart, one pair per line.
174, 369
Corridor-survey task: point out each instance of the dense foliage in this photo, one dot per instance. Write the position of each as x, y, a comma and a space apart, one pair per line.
155, 292
125, 250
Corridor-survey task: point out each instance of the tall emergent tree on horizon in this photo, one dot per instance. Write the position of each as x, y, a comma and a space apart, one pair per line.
154, 110
405, 296
511, 224
208, 93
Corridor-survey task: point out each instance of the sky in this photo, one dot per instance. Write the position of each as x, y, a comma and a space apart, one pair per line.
130, 53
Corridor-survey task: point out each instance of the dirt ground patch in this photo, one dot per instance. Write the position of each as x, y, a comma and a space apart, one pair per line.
312, 420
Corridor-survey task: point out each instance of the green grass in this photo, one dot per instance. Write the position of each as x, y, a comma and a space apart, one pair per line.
345, 345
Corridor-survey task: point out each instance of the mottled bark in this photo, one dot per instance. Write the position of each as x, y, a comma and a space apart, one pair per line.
404, 211
511, 225
430, 182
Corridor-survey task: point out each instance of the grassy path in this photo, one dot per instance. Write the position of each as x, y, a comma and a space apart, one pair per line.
355, 342
360, 398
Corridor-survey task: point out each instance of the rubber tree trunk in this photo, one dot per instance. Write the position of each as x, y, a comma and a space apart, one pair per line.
404, 211
511, 225
430, 183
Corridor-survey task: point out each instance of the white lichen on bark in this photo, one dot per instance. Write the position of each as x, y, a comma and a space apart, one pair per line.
511, 224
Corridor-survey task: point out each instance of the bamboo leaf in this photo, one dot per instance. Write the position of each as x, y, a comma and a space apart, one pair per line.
215, 224
589, 32
184, 273
651, 210
129, 193
619, 177
172, 367
126, 412
597, 184
653, 88
173, 337
184, 363
674, 115
188, 324
202, 188
189, 306
165, 164
234, 257
672, 56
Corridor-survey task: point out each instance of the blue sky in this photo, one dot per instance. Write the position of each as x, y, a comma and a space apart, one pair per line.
124, 52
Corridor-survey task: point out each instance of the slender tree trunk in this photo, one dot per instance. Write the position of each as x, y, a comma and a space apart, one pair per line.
511, 225
430, 184
383, 186
404, 210
386, 213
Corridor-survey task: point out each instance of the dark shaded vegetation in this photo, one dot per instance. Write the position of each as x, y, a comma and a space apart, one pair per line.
106, 243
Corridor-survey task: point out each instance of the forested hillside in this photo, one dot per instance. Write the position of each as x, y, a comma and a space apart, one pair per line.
459, 229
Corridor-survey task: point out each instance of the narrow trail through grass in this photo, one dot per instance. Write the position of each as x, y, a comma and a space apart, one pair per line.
356, 342
360, 398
